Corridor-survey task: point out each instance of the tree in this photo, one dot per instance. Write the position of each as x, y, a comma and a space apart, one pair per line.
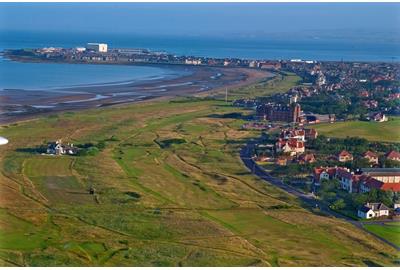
385, 197
388, 163
361, 163
357, 200
338, 204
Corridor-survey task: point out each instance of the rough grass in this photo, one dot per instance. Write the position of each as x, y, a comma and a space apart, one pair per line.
386, 131
193, 203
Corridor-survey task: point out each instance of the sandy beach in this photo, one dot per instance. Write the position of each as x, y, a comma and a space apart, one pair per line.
20, 104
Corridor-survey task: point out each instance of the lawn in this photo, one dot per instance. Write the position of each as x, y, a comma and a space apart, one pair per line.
388, 231
386, 131
170, 191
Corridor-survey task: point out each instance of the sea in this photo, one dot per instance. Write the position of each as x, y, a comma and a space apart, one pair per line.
40, 76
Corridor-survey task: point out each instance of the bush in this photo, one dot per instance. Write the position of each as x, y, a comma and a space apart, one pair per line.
338, 204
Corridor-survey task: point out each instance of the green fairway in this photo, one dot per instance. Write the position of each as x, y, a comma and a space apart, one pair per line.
386, 131
278, 84
170, 190
391, 232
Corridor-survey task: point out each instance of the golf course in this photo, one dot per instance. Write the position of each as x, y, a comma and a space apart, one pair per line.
168, 189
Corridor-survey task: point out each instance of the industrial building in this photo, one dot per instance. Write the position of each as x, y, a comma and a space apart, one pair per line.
385, 175
97, 47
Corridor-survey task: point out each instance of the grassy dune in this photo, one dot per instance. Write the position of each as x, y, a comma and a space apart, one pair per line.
387, 131
170, 191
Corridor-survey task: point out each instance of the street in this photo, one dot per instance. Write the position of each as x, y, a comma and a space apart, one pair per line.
309, 199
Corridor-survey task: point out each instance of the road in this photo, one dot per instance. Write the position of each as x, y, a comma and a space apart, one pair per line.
309, 199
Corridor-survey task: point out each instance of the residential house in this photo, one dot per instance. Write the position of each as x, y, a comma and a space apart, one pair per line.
373, 210
365, 212
364, 93
311, 133
368, 183
393, 155
348, 181
281, 161
306, 159
344, 156
378, 117
57, 148
371, 156
320, 174
298, 134
291, 146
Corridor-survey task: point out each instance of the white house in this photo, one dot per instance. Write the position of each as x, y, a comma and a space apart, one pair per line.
57, 148
372, 210
365, 212
346, 179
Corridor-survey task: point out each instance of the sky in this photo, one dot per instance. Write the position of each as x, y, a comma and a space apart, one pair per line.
204, 19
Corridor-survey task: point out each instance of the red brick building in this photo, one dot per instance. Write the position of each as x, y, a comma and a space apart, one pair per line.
280, 113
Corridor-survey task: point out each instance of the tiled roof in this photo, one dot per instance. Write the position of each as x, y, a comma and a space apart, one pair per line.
370, 154
372, 183
391, 186
393, 155
381, 171
340, 172
377, 206
345, 153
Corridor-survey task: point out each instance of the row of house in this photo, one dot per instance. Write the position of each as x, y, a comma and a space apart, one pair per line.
364, 181
372, 157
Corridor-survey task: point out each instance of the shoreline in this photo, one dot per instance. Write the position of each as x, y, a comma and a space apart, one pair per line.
21, 105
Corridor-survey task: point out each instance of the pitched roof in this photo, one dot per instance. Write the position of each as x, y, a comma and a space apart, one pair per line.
294, 143
307, 157
372, 183
370, 154
364, 209
393, 155
391, 186
340, 172
310, 132
331, 171
345, 153
381, 171
377, 206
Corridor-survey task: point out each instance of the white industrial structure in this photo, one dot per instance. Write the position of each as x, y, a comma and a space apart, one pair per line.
97, 47
80, 49
3, 141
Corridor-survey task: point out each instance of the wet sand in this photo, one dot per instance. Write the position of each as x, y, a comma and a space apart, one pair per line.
19, 104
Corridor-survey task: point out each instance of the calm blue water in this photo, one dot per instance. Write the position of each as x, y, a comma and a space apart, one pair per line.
33, 76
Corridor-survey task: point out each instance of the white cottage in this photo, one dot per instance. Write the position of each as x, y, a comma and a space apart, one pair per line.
372, 210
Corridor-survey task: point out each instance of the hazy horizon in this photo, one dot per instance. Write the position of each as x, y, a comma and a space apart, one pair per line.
224, 20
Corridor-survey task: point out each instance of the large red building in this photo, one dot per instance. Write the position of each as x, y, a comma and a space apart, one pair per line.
279, 112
